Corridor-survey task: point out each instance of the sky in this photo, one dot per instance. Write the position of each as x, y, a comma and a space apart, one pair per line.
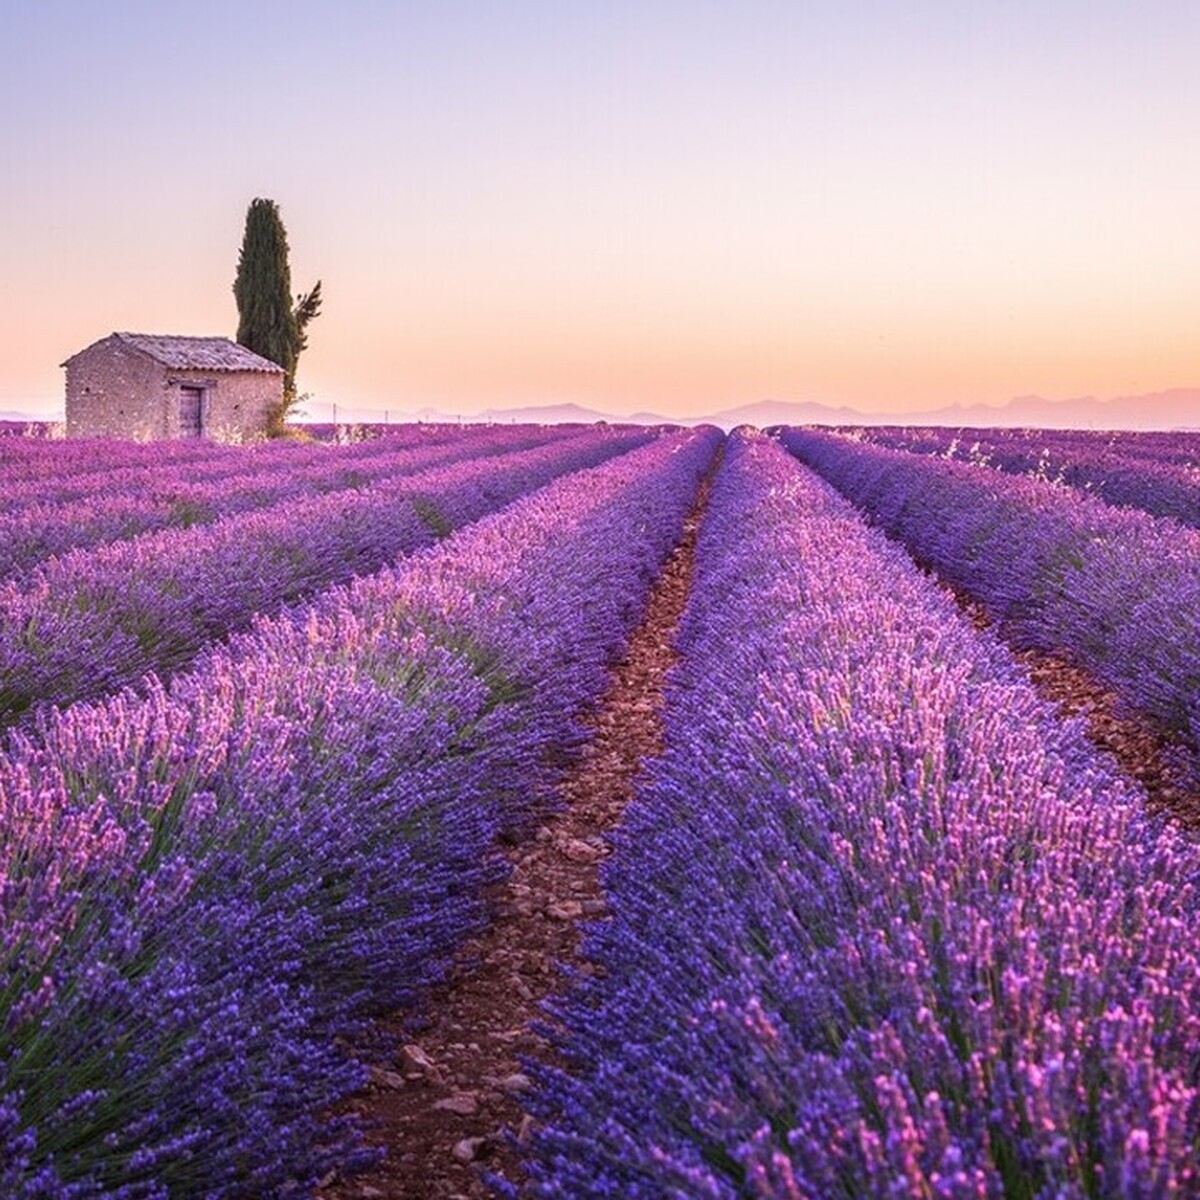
650, 205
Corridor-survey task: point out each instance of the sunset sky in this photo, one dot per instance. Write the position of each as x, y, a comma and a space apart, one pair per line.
659, 204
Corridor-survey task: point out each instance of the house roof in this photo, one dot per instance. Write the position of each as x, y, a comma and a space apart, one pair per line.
204, 353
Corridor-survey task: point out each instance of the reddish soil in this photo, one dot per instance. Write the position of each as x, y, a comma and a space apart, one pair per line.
1143, 750
443, 1107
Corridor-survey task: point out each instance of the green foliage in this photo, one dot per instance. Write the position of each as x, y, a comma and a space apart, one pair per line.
186, 512
434, 519
308, 305
263, 288
269, 323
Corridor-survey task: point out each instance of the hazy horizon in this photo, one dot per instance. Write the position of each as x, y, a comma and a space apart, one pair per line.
679, 209
1178, 409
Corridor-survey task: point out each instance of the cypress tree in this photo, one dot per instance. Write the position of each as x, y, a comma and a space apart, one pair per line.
268, 323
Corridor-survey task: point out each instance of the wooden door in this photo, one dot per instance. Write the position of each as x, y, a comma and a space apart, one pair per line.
190, 411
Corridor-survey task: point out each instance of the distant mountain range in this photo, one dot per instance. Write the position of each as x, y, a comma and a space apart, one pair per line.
1178, 408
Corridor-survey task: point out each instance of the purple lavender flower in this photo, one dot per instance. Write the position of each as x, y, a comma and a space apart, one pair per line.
883, 924
206, 883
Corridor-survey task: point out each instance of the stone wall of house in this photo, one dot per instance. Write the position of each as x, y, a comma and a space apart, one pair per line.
237, 404
114, 390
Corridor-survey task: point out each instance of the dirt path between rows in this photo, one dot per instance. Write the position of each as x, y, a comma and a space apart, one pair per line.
1143, 750
443, 1108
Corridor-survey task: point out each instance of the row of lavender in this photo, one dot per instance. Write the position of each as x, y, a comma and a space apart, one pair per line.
1131, 470
1117, 590
340, 433
119, 508
99, 619
1179, 447
61, 472
346, 433
883, 925
26, 459
41, 471
326, 431
204, 888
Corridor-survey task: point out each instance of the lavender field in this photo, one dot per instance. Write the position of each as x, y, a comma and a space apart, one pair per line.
285, 726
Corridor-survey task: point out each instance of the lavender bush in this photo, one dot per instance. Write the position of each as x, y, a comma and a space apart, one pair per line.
204, 886
98, 620
1177, 447
882, 924
30, 460
163, 499
1118, 591
64, 472
1114, 469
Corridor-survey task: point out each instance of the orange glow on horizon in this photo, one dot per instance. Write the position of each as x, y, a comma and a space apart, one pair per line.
642, 211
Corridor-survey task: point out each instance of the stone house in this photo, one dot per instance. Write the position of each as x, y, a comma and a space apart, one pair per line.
146, 386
